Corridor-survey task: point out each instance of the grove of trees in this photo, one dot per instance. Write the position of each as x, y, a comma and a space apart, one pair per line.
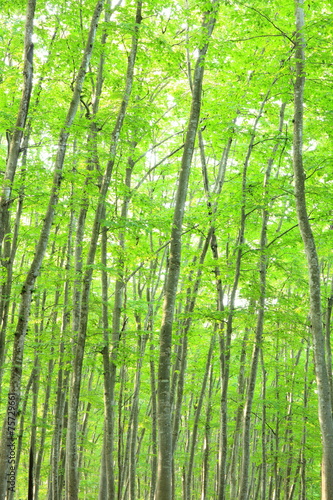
166, 264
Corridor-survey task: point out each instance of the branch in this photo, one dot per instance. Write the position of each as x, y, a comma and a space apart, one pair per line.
282, 234
269, 20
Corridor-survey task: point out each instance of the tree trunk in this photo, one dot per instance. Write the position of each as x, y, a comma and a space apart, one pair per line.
263, 263
107, 458
71, 446
17, 133
188, 494
11, 493
264, 444
11, 244
207, 439
164, 473
8, 245
27, 289
324, 394
328, 340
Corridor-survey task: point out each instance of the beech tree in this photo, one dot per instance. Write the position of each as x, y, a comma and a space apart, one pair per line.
166, 275
324, 390
164, 479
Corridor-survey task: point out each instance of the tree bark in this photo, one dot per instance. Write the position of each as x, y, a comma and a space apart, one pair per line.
164, 473
10, 246
189, 479
71, 445
263, 263
324, 393
225, 341
27, 289
207, 439
17, 133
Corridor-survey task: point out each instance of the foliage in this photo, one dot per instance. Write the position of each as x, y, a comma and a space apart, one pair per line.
251, 54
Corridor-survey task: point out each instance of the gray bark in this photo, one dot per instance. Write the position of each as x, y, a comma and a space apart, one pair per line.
263, 262
207, 440
28, 286
10, 495
328, 316
197, 414
264, 445
62, 378
71, 445
10, 244
154, 446
107, 459
164, 473
17, 133
324, 393
182, 356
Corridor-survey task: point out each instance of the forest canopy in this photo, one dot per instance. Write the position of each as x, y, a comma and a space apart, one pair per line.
166, 220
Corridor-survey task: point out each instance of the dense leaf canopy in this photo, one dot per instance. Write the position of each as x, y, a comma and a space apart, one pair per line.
241, 181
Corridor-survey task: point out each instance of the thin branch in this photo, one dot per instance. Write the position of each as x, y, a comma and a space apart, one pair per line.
269, 20
233, 40
156, 165
158, 144
282, 234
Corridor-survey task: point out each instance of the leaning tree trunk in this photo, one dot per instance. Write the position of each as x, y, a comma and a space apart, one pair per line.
14, 140
324, 394
72, 484
27, 288
10, 245
164, 473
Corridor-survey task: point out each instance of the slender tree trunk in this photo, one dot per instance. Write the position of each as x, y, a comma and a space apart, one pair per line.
84, 424
220, 296
264, 445
37, 448
71, 448
107, 459
225, 340
62, 377
102, 489
164, 474
33, 436
190, 306
40, 451
196, 418
263, 262
234, 459
8, 247
11, 493
27, 289
303, 495
154, 444
324, 393
91, 164
17, 133
134, 418
118, 303
11, 244
328, 340
207, 440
